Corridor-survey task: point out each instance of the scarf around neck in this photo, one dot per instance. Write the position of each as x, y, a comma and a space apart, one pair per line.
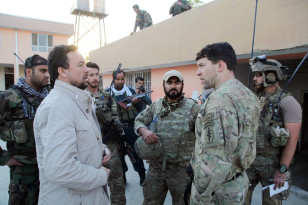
22, 85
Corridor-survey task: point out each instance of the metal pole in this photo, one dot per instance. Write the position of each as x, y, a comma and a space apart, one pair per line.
16, 67
75, 28
100, 33
104, 30
286, 85
78, 28
253, 41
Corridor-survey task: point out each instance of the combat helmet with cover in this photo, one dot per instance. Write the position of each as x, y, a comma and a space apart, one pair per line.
148, 151
272, 71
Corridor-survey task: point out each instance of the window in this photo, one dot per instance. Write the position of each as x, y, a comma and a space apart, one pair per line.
42, 42
130, 79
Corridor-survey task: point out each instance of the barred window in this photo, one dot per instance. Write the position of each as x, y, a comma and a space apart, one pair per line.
131, 76
42, 42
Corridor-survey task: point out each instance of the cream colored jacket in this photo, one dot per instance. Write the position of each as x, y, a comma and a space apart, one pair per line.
69, 149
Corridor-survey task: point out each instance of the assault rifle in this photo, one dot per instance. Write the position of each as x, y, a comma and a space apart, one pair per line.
123, 103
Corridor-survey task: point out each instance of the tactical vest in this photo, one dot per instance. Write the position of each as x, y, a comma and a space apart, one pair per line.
175, 131
271, 115
18, 132
106, 110
127, 114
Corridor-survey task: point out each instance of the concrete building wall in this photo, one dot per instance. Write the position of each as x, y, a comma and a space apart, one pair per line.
280, 25
24, 27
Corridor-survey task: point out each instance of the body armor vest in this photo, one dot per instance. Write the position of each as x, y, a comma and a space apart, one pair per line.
127, 114
18, 131
271, 115
106, 111
175, 131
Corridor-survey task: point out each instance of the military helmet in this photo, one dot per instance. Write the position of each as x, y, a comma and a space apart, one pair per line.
148, 151
267, 67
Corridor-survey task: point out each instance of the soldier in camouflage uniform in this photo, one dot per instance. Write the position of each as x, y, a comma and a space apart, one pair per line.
172, 123
179, 6
18, 105
226, 130
279, 126
106, 112
127, 117
143, 19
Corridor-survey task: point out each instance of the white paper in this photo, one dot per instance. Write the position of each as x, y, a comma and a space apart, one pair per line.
277, 191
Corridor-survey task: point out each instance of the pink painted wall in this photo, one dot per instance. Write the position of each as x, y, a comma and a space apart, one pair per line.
8, 44
191, 81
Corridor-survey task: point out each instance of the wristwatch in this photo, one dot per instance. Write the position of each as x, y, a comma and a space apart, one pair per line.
283, 168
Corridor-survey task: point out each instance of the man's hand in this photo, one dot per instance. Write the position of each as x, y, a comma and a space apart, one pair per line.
135, 101
279, 179
107, 157
148, 136
13, 162
106, 170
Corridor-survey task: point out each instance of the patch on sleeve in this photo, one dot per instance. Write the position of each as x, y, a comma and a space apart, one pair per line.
208, 124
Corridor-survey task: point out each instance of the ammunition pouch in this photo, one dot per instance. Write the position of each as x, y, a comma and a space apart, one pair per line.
279, 136
14, 131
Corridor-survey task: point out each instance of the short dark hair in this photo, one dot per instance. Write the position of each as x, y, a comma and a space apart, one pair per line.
92, 65
136, 6
58, 58
139, 78
120, 71
219, 51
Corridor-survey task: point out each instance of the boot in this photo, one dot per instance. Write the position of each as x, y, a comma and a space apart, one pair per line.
142, 177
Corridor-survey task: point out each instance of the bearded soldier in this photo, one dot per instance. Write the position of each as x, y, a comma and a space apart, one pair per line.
112, 129
279, 126
18, 106
168, 142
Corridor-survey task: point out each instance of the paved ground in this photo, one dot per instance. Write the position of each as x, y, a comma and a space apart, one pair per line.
134, 193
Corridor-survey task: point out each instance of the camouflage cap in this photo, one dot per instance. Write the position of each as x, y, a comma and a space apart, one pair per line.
35, 60
173, 73
148, 151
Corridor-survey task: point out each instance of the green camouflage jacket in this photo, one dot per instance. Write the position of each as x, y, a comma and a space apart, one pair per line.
106, 112
174, 127
226, 130
143, 20
177, 9
15, 129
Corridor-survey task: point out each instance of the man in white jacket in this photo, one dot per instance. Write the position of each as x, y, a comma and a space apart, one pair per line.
70, 152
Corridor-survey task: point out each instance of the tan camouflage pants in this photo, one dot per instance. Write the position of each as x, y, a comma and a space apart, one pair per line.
232, 192
263, 170
158, 182
115, 181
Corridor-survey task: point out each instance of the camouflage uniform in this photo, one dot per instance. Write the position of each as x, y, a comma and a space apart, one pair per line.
225, 146
175, 129
177, 9
268, 156
115, 181
16, 128
127, 117
143, 20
